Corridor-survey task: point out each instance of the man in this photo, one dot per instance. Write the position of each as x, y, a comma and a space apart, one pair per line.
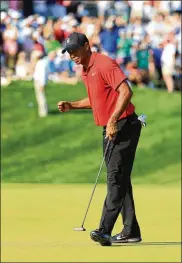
40, 76
109, 98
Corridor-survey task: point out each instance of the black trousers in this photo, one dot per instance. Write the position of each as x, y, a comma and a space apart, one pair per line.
119, 162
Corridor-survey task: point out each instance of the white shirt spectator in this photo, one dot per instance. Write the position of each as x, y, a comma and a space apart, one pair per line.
168, 55
41, 71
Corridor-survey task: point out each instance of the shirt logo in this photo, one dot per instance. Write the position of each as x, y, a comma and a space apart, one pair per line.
93, 73
68, 40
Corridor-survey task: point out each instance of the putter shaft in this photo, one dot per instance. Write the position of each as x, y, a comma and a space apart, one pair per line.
107, 146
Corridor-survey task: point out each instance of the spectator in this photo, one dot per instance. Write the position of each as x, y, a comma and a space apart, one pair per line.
148, 12
51, 44
56, 8
156, 54
136, 76
156, 28
10, 36
136, 8
27, 42
120, 22
38, 42
124, 44
66, 70
137, 29
123, 7
58, 31
87, 26
109, 33
48, 28
22, 67
129, 40
142, 56
102, 7
40, 80
40, 7
168, 63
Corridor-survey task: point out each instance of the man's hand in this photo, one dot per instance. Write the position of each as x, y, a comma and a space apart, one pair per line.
64, 106
111, 130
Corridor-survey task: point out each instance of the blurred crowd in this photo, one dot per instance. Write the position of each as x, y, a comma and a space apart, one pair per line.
144, 37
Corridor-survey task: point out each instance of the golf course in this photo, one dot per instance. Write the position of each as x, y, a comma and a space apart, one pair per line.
49, 166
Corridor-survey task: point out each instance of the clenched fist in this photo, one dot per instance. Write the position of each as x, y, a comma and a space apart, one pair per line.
64, 106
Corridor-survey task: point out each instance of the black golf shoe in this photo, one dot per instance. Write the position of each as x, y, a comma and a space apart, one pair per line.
102, 238
122, 238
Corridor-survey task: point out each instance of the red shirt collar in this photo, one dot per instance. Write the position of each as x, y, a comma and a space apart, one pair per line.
91, 62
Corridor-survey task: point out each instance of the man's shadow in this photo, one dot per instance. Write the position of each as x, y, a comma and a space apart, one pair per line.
56, 112
152, 243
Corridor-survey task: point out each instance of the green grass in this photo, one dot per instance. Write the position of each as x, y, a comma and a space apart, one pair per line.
67, 148
37, 224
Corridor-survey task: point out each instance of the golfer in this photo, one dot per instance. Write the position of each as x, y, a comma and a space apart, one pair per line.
109, 98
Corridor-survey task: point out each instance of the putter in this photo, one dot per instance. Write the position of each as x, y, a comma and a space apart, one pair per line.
82, 226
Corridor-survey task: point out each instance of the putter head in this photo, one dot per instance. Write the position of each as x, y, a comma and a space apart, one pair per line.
79, 229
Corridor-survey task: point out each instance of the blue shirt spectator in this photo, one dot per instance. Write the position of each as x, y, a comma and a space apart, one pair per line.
108, 38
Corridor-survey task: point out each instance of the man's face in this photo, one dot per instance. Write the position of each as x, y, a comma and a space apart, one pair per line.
79, 55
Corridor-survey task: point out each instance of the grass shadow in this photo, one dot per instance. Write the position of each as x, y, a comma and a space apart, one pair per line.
56, 112
53, 112
152, 243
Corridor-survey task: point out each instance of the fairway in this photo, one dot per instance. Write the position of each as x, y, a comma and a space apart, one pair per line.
38, 220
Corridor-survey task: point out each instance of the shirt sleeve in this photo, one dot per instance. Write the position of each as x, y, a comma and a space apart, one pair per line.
112, 74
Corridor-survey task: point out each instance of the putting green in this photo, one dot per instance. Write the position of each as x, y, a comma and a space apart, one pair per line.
38, 220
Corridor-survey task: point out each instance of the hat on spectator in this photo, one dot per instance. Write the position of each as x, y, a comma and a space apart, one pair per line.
74, 41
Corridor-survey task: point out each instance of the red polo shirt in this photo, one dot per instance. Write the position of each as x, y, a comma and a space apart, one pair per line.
102, 78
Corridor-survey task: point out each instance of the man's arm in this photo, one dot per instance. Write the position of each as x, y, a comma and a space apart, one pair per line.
65, 106
81, 104
125, 94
